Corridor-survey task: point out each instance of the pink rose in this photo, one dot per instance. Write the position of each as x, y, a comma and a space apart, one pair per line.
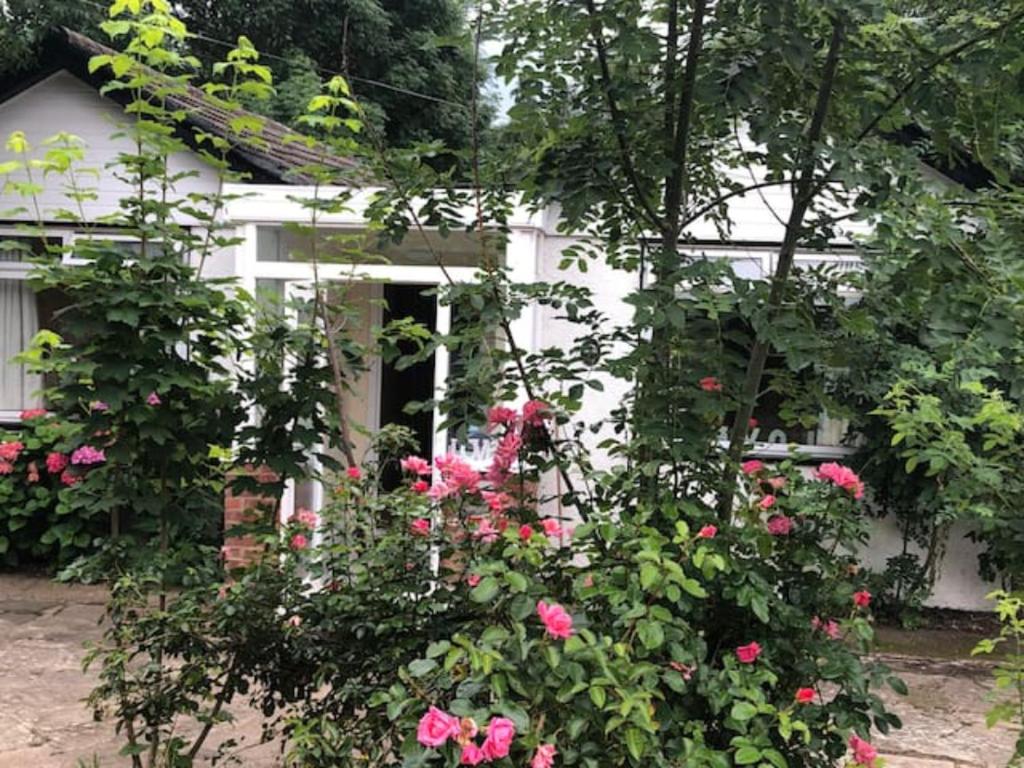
69, 478
56, 462
863, 753
544, 757
804, 695
747, 654
751, 467
295, 621
471, 755
777, 483
420, 527
153, 399
436, 727
485, 530
535, 412
496, 501
551, 527
33, 413
525, 532
500, 732
767, 502
6, 467
354, 473
843, 477
710, 384
307, 518
501, 415
416, 465
707, 532
557, 621
862, 599
779, 525
298, 542
473, 579
420, 486
832, 630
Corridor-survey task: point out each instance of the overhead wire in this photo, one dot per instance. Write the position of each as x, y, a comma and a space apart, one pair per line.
319, 68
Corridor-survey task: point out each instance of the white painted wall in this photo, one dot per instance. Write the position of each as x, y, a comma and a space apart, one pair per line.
62, 102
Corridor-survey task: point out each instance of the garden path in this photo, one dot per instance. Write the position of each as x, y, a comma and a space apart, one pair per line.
44, 724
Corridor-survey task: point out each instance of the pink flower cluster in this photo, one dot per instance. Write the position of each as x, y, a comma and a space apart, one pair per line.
34, 413
11, 450
830, 627
534, 414
864, 754
843, 477
557, 621
437, 727
87, 455
307, 518
457, 477
779, 525
56, 462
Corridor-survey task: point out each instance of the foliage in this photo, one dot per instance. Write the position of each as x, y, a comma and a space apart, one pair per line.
703, 606
1009, 670
934, 382
37, 483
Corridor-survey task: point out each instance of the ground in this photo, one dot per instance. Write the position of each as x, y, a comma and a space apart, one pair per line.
44, 724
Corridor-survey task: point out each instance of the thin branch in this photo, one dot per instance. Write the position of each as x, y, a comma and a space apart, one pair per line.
618, 120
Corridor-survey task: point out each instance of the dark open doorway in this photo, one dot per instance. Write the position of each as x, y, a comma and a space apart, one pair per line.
412, 384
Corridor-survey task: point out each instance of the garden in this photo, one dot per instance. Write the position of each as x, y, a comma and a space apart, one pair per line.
616, 585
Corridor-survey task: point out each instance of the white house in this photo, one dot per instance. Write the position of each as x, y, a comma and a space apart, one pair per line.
63, 95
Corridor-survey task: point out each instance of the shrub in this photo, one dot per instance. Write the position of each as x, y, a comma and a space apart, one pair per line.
37, 481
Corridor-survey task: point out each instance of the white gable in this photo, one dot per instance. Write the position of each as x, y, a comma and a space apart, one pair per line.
62, 102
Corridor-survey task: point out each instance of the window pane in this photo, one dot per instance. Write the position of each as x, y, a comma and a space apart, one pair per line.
19, 322
19, 248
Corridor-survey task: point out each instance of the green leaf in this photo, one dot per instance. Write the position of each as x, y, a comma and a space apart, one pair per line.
422, 667
743, 711
485, 591
516, 581
747, 755
636, 742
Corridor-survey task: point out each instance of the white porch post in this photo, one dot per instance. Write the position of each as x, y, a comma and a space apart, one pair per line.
522, 257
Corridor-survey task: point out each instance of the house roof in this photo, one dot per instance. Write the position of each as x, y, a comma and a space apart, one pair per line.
269, 157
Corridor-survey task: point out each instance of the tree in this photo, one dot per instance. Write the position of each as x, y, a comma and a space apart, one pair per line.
406, 48
632, 115
419, 47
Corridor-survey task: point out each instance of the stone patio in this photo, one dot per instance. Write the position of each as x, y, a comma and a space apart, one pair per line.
43, 723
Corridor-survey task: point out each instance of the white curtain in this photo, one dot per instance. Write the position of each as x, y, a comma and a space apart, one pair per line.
19, 322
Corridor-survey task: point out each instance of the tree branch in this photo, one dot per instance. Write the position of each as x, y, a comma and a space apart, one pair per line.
618, 121
684, 119
804, 195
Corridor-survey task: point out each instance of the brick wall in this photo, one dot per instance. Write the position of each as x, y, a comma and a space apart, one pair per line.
245, 507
